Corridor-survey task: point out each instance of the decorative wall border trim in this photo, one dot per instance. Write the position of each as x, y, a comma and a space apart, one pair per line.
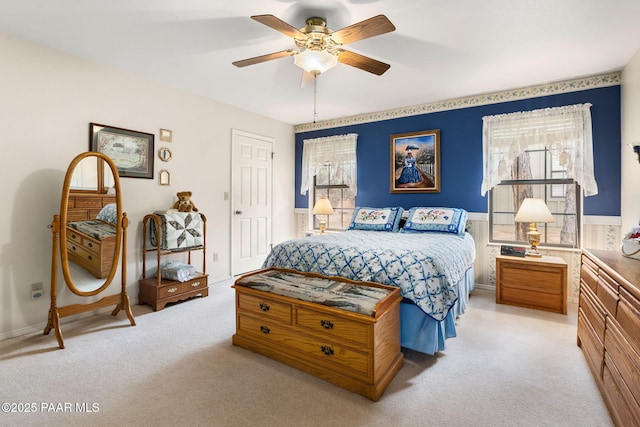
592, 82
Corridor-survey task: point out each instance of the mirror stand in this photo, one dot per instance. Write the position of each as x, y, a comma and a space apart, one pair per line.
121, 300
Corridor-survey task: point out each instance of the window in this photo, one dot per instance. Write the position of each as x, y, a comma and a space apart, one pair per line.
545, 154
536, 173
330, 184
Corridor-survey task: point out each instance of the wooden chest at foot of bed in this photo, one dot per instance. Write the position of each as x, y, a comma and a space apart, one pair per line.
158, 293
356, 351
94, 255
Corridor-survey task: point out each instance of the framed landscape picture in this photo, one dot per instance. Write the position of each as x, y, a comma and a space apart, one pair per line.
415, 162
131, 151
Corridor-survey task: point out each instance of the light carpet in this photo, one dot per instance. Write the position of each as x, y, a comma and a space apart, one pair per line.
508, 366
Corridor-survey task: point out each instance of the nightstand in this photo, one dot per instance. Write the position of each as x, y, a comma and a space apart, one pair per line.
538, 283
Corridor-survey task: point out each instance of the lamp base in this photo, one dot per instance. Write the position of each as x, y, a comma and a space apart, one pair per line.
323, 226
534, 239
533, 253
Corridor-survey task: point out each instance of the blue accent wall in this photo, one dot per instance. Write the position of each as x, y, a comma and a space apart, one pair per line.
461, 153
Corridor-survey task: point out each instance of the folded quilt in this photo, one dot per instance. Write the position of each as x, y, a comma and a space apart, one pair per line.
179, 230
95, 228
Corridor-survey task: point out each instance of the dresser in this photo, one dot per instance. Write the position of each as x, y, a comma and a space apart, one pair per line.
356, 351
539, 283
609, 330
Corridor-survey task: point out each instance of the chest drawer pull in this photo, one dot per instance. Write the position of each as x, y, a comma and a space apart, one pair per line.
327, 324
264, 307
172, 290
265, 329
195, 284
327, 350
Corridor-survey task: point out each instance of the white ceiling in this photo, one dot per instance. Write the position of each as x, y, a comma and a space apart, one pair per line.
441, 49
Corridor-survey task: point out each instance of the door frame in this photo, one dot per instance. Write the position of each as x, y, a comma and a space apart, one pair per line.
234, 134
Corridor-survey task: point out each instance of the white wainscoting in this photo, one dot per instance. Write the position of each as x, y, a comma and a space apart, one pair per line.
597, 233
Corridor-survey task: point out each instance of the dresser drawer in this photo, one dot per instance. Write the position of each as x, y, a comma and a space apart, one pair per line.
627, 361
313, 350
194, 284
589, 274
88, 202
266, 308
625, 410
536, 278
593, 311
334, 327
608, 292
591, 345
169, 290
89, 258
628, 317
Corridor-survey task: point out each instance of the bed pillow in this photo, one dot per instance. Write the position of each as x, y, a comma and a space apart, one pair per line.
446, 220
376, 219
109, 213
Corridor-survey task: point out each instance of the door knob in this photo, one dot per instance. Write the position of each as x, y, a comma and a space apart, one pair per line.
238, 212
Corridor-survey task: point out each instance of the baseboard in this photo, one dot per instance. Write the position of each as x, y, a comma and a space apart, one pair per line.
484, 287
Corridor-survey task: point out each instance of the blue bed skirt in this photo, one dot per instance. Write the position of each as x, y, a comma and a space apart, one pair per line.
421, 332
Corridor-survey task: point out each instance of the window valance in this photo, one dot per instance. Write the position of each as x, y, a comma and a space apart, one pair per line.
339, 150
565, 131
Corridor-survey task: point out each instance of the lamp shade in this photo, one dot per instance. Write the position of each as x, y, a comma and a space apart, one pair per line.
534, 210
322, 207
315, 61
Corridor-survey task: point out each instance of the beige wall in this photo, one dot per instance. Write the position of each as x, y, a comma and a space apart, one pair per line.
47, 100
630, 136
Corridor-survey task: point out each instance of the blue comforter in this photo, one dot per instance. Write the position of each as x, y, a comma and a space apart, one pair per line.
425, 266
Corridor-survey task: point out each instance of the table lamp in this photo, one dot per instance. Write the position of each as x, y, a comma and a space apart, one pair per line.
533, 210
322, 208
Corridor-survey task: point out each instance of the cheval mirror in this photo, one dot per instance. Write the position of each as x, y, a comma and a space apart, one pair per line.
89, 239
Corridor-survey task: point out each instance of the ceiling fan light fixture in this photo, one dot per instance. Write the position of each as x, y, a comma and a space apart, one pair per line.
315, 61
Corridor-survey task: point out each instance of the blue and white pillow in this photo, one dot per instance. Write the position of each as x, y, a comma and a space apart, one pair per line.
376, 219
446, 220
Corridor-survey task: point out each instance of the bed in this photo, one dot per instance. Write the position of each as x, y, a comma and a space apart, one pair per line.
431, 262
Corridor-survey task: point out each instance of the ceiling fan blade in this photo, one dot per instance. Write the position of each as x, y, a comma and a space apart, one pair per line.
363, 62
263, 58
279, 25
362, 30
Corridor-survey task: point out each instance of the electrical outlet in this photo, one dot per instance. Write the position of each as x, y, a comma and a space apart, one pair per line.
215, 256
37, 290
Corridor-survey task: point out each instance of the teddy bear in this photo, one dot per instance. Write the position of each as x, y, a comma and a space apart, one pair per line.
184, 203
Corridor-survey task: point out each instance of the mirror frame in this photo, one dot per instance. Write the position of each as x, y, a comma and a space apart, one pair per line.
64, 204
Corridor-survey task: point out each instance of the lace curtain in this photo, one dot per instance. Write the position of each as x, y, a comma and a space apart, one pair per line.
339, 150
564, 131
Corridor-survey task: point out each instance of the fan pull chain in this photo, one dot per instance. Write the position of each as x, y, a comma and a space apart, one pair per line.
315, 95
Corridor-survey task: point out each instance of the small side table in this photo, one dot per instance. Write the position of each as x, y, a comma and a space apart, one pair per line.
538, 283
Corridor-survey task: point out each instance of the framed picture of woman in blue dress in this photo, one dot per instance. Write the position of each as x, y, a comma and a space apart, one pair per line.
415, 162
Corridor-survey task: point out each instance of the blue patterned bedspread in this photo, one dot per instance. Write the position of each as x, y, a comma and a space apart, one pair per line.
425, 266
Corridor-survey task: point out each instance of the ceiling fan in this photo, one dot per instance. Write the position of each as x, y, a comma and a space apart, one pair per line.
318, 48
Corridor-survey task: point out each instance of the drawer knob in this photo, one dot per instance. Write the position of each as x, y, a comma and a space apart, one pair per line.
327, 324
90, 244
172, 290
264, 307
265, 329
90, 257
327, 350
